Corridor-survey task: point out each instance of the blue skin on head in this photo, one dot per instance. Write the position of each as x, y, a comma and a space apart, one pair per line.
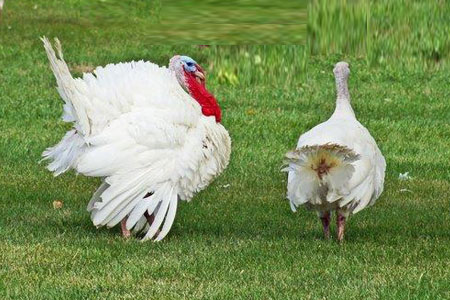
189, 63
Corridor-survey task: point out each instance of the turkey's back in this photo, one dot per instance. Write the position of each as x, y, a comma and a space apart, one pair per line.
117, 89
360, 179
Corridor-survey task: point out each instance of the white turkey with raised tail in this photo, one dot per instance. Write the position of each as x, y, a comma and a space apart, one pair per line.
337, 165
152, 133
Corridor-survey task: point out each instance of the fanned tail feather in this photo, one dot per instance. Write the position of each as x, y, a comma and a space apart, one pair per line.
319, 169
65, 154
75, 104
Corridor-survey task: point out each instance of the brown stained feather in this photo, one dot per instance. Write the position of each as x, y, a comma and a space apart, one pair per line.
322, 157
323, 167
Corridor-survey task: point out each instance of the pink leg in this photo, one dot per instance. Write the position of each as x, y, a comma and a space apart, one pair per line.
340, 221
123, 225
325, 218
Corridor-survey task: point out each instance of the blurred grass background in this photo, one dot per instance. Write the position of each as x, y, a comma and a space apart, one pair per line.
400, 33
168, 22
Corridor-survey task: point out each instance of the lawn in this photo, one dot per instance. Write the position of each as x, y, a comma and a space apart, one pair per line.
238, 239
161, 21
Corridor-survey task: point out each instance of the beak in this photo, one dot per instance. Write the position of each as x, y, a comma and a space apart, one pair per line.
199, 75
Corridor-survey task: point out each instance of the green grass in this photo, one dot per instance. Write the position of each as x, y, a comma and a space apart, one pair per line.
241, 241
161, 22
400, 33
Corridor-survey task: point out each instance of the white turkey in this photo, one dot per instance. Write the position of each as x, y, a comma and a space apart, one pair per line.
337, 165
152, 133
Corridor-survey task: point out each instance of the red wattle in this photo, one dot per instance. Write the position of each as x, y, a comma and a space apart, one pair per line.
204, 98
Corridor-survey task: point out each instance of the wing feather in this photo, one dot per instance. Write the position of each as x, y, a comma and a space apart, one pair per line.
118, 215
159, 217
170, 217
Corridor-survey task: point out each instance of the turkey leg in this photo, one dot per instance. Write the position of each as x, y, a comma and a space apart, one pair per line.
340, 221
123, 226
325, 218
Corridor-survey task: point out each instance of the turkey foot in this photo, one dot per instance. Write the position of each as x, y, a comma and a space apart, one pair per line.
123, 226
325, 218
340, 221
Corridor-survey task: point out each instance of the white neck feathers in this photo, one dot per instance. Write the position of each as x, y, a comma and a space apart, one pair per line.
343, 106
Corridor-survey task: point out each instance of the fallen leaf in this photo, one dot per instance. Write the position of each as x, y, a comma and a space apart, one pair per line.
57, 204
251, 112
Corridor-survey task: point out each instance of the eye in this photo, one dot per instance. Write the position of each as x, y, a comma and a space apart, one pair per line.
190, 64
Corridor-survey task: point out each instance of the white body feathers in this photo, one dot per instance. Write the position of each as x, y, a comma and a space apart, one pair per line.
139, 130
337, 164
